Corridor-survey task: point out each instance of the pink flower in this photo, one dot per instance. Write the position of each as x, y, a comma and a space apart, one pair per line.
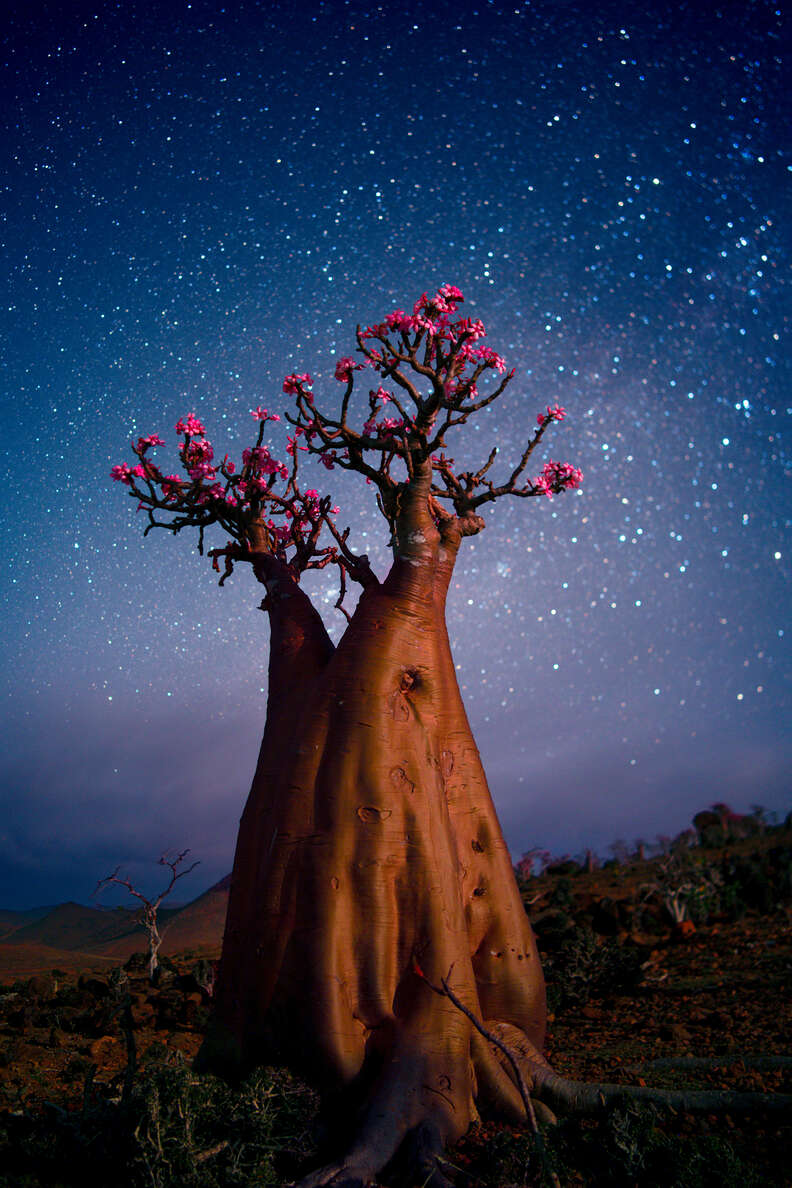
344, 368
327, 460
557, 477
260, 460
552, 414
122, 474
447, 298
473, 329
201, 470
292, 446
171, 486
145, 443
378, 331
490, 357
293, 383
138, 471
190, 425
196, 451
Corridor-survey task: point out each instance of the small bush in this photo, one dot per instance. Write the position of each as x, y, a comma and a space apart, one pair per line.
585, 965
179, 1128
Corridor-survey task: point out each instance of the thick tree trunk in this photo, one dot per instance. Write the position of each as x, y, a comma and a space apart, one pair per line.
369, 845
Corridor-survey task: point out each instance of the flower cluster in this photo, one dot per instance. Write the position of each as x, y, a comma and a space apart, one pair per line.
385, 428
217, 491
433, 361
146, 443
293, 383
552, 414
191, 425
258, 461
557, 477
197, 455
122, 474
344, 368
261, 414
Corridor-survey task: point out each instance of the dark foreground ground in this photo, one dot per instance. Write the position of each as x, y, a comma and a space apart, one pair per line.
634, 1000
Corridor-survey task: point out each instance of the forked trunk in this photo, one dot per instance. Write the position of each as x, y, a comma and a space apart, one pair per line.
369, 846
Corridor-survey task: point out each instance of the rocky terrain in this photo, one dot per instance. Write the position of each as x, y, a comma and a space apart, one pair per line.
90, 1048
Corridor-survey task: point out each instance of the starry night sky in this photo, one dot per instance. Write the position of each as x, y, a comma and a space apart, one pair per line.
198, 200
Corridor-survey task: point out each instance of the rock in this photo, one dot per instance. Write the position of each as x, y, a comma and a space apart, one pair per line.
94, 986
43, 987
100, 1048
674, 1033
204, 973
138, 963
144, 1013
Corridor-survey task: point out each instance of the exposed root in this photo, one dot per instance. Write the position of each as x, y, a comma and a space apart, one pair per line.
336, 1175
565, 1096
579, 1097
759, 1063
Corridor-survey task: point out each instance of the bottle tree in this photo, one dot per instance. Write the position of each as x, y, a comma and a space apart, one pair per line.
370, 865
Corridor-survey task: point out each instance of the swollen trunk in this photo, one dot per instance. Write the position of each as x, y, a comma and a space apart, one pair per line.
369, 846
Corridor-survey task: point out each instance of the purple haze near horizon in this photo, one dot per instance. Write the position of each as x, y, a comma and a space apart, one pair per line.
199, 200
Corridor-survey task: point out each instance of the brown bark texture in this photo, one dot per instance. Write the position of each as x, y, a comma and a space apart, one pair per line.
370, 861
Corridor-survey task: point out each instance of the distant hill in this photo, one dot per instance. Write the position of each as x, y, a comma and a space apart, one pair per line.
75, 926
73, 936
11, 920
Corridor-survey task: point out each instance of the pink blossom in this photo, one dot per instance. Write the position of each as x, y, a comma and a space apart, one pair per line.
293, 383
196, 451
490, 357
553, 414
145, 443
201, 470
378, 331
259, 460
473, 329
138, 471
344, 368
556, 477
327, 460
190, 425
447, 298
261, 414
171, 486
122, 474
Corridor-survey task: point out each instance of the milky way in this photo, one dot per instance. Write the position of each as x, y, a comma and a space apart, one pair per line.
198, 201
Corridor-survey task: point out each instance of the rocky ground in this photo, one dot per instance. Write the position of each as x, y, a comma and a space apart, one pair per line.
636, 1000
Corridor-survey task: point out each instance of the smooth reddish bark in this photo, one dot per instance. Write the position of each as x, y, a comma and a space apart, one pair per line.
369, 845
